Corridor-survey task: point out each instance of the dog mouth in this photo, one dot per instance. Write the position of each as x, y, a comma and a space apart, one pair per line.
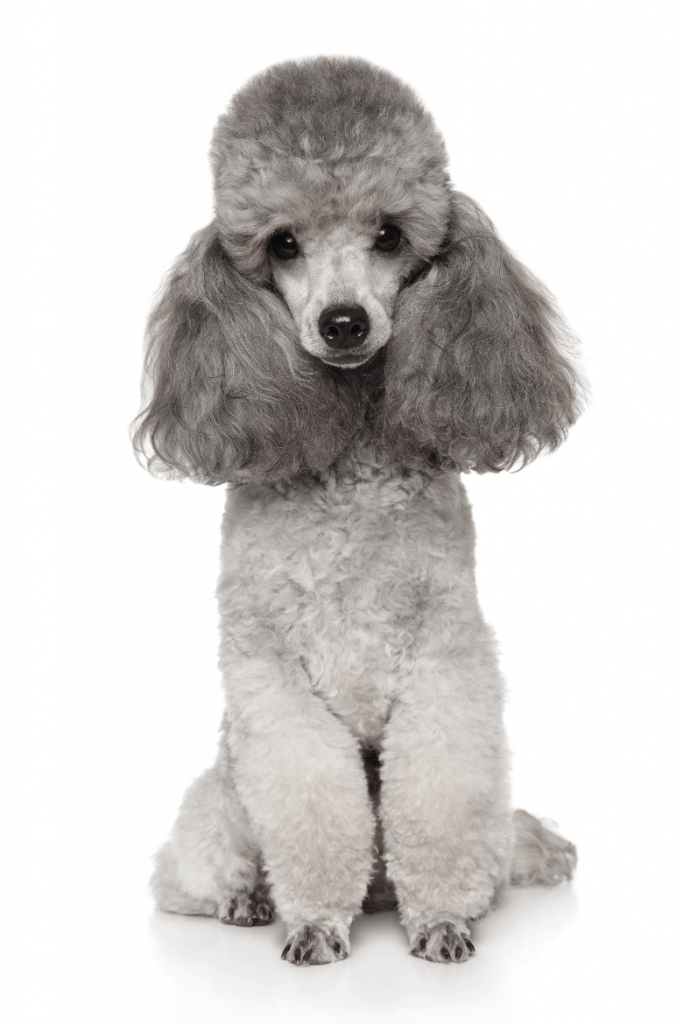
347, 359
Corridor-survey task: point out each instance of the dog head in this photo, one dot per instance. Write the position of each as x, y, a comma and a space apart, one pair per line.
338, 245
330, 183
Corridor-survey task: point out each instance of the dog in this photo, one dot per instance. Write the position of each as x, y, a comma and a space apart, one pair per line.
344, 340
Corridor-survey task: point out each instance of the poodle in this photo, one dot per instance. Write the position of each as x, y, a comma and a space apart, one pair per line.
343, 341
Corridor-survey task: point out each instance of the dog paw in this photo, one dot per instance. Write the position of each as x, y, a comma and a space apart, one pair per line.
310, 945
443, 943
248, 910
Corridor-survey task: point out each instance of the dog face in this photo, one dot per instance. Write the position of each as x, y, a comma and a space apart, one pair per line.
340, 287
335, 196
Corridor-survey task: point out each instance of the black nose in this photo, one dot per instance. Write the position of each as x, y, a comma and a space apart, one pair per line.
344, 326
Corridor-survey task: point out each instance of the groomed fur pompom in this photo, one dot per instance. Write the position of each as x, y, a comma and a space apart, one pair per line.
233, 396
478, 370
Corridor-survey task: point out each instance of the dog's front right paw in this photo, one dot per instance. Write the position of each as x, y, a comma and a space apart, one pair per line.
311, 944
443, 943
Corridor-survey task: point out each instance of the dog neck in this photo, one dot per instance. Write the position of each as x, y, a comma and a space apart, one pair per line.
363, 468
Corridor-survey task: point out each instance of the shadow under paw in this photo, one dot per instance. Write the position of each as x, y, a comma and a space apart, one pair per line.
443, 943
311, 945
248, 910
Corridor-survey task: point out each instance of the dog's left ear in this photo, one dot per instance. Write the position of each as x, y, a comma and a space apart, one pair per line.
478, 371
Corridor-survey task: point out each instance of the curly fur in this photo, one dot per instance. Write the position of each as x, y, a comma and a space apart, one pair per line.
234, 399
363, 759
491, 385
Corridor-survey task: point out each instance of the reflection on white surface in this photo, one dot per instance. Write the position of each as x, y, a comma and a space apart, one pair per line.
215, 966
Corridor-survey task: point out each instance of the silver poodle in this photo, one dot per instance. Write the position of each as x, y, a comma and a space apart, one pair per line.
342, 341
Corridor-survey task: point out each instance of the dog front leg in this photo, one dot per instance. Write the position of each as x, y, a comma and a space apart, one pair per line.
445, 810
299, 774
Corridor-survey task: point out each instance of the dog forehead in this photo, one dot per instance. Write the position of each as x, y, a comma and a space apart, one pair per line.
309, 198
335, 241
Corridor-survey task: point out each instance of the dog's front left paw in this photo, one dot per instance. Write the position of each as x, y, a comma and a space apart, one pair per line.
248, 909
310, 945
445, 943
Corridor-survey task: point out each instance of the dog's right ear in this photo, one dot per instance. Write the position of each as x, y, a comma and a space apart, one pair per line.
231, 395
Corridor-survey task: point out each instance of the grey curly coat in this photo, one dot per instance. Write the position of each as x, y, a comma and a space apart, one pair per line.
342, 341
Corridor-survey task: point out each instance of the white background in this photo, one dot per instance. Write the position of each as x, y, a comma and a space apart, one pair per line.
560, 121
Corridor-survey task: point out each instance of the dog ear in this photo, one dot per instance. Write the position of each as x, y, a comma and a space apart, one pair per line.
233, 397
478, 375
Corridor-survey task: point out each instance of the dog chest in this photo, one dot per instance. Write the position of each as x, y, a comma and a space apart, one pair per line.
347, 584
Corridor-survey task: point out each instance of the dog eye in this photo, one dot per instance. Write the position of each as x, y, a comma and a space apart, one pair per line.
284, 245
388, 238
